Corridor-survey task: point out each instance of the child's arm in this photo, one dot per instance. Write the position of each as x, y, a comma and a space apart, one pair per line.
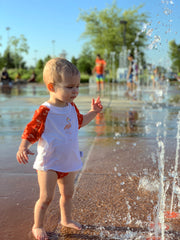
128, 74
22, 154
96, 107
32, 133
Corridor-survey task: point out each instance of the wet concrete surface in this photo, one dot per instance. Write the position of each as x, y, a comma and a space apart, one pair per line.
116, 193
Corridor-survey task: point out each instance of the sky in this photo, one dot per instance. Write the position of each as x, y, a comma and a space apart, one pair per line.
51, 26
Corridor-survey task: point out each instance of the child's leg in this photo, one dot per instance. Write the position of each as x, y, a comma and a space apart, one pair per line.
98, 86
66, 188
47, 181
102, 84
98, 82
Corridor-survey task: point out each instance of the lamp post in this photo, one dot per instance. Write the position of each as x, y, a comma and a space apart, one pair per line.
112, 54
7, 29
35, 56
63, 54
53, 48
8, 46
124, 32
124, 48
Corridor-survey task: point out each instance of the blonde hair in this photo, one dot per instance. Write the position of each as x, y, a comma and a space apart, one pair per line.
56, 68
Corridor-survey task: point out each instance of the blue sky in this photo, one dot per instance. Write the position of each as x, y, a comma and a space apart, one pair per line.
42, 21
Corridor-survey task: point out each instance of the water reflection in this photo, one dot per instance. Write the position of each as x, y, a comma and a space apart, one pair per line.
100, 127
125, 123
26, 90
16, 110
132, 117
121, 130
6, 89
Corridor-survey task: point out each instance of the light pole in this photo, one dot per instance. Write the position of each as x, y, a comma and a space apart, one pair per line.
35, 56
124, 48
124, 32
112, 54
53, 48
8, 53
7, 29
63, 54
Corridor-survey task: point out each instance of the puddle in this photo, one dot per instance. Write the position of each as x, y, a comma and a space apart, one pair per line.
127, 132
18, 107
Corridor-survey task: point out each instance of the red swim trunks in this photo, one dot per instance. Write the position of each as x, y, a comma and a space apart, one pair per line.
61, 174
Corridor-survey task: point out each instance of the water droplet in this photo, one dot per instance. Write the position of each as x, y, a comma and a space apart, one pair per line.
117, 134
158, 124
149, 32
144, 27
157, 38
150, 46
167, 11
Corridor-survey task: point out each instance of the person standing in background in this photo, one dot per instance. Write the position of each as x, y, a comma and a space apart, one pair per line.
99, 69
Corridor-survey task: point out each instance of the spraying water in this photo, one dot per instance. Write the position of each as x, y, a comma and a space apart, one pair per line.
159, 221
176, 161
161, 203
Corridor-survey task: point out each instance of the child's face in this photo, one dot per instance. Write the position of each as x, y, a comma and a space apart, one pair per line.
68, 89
129, 58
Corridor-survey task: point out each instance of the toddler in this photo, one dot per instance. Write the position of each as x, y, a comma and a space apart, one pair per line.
55, 126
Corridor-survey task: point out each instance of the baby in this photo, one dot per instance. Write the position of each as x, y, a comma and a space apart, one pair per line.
55, 126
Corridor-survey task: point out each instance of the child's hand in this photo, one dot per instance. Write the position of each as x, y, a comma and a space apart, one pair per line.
96, 105
22, 155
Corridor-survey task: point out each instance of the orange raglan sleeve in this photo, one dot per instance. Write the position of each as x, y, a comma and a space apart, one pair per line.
35, 128
79, 115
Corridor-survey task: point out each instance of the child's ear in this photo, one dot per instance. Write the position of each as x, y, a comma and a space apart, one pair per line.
50, 87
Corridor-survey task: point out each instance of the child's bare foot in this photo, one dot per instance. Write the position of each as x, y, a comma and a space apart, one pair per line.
39, 233
72, 224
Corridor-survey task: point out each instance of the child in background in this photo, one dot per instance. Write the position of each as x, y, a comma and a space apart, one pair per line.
55, 126
130, 74
99, 69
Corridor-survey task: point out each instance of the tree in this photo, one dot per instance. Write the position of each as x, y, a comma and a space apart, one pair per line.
174, 54
46, 59
0, 41
19, 46
74, 60
1, 62
8, 60
105, 33
85, 61
40, 64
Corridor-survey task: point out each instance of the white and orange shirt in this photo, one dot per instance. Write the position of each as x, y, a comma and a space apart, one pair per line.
56, 130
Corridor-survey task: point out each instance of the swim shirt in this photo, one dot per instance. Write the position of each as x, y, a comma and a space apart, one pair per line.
56, 130
100, 65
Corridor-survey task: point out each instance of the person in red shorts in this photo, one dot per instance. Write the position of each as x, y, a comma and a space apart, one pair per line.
99, 69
